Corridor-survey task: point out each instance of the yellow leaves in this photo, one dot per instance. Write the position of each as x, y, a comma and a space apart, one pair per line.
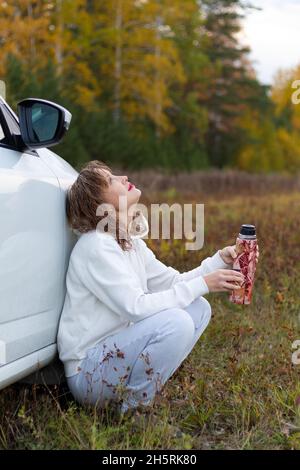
290, 144
117, 48
281, 95
85, 98
244, 159
86, 88
138, 43
279, 298
21, 34
168, 70
296, 119
282, 90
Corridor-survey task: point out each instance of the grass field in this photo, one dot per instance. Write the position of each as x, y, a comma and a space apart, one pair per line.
238, 389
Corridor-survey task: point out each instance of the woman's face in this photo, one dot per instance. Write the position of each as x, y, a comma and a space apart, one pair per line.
120, 186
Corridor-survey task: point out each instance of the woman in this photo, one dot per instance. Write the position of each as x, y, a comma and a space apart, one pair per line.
128, 320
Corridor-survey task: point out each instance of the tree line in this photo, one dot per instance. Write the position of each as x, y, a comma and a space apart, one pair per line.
151, 83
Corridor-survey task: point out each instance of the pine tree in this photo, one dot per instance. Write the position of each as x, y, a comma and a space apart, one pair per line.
232, 81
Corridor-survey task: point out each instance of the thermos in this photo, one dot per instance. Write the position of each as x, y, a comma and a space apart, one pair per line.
245, 262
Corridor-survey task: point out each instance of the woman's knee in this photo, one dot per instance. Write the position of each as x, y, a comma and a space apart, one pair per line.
207, 308
204, 308
180, 324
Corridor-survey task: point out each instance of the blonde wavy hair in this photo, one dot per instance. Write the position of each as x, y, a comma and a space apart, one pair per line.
83, 198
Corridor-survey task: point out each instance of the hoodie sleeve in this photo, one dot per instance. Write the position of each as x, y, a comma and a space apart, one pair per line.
160, 276
104, 271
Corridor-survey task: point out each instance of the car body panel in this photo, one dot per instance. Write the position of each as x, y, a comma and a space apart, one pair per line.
26, 365
35, 246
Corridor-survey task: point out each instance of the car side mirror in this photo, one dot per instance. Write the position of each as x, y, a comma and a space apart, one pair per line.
42, 123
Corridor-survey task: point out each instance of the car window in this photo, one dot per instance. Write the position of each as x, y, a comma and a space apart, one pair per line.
8, 126
2, 136
11, 122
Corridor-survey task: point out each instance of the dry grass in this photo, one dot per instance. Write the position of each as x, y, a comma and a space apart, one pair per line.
238, 389
214, 182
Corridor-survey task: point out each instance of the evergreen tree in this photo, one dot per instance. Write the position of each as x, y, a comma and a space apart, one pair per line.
231, 80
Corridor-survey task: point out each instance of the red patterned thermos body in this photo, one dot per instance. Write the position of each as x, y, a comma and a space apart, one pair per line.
245, 262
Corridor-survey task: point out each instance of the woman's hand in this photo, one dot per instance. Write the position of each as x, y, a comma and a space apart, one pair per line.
223, 280
229, 253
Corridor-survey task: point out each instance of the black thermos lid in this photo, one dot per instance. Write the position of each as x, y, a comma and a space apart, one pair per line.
247, 229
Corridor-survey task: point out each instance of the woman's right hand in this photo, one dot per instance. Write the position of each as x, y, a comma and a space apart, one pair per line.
223, 280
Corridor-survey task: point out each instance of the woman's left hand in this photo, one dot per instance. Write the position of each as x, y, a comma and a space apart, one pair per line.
229, 253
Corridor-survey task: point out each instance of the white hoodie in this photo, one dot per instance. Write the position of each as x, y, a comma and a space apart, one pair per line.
108, 289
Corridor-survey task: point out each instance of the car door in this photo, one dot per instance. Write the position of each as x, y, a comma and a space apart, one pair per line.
32, 256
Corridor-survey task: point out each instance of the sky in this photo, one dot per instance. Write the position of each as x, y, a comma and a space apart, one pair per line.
273, 34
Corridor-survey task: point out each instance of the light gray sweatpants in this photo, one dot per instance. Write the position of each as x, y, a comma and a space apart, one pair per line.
131, 366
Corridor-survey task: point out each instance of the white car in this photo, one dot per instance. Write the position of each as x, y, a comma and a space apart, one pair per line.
35, 240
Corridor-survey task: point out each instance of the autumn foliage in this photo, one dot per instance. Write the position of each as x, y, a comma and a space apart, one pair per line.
151, 83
